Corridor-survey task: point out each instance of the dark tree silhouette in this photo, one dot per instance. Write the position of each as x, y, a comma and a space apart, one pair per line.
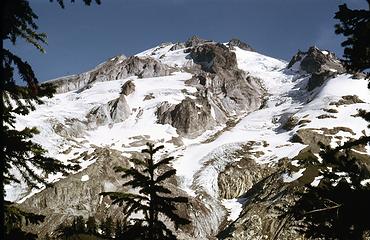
119, 231
18, 21
107, 227
64, 231
338, 208
152, 199
91, 226
355, 26
79, 225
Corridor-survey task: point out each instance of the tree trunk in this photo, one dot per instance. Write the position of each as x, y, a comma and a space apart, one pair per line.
2, 141
152, 193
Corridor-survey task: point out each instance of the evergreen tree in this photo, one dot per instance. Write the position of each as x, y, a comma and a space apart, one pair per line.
355, 26
107, 227
91, 226
79, 225
16, 148
119, 232
152, 199
47, 237
64, 231
338, 208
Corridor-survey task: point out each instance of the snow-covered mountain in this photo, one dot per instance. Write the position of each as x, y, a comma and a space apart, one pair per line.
229, 115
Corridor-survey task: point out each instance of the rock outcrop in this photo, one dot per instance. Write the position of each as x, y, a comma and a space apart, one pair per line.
177, 46
240, 176
213, 57
78, 195
194, 41
117, 68
261, 217
231, 88
237, 43
223, 91
128, 88
322, 65
190, 117
114, 111
70, 128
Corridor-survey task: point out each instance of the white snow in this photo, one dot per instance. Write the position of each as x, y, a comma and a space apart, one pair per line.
176, 58
198, 163
293, 176
143, 121
85, 178
365, 182
325, 52
316, 181
234, 207
295, 163
255, 126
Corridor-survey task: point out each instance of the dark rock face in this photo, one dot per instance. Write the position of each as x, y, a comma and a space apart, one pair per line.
128, 88
190, 117
296, 58
316, 61
261, 214
313, 137
318, 79
239, 177
194, 41
116, 68
114, 111
321, 65
72, 197
177, 46
235, 91
223, 91
347, 100
237, 43
213, 57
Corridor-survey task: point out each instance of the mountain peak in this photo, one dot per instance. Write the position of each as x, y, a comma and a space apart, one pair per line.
234, 42
227, 114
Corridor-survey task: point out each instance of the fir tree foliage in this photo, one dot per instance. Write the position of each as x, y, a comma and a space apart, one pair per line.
153, 198
87, 2
79, 225
17, 151
355, 26
14, 219
81, 229
338, 208
119, 232
107, 227
91, 226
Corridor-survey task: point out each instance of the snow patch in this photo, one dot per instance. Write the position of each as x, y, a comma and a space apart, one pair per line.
85, 178
293, 176
234, 207
316, 181
365, 182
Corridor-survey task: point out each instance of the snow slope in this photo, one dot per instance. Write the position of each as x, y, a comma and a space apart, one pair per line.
194, 171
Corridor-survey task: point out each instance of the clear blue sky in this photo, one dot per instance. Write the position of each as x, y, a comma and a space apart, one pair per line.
80, 37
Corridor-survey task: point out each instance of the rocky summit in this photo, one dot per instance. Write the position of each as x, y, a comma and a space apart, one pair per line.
231, 117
